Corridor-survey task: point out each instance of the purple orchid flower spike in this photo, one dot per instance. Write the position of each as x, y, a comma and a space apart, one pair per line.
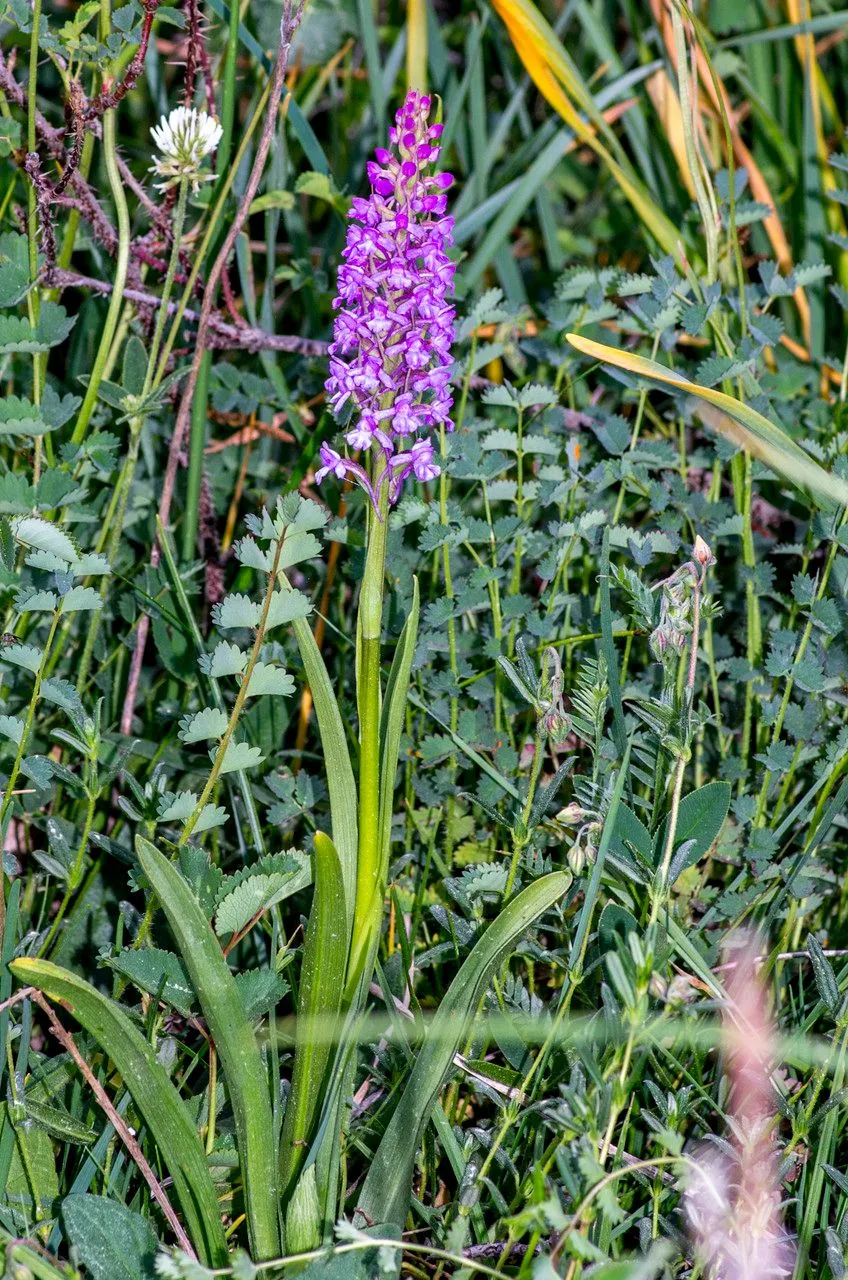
390, 358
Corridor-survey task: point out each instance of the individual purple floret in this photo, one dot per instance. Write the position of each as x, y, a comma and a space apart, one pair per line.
390, 358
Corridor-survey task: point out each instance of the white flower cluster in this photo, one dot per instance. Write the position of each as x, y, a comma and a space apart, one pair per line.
184, 139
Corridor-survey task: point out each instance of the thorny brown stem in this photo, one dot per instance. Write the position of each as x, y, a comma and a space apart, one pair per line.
110, 97
222, 335
75, 125
44, 196
197, 56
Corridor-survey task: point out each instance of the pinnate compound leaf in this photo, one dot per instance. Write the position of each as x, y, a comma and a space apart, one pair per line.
211, 722
699, 821
19, 417
250, 554
17, 334
176, 807
260, 990
28, 601
12, 727
499, 395
92, 565
163, 975
63, 694
14, 264
534, 394
159, 973
54, 324
40, 770
16, 493
299, 545
211, 815
202, 875
80, 599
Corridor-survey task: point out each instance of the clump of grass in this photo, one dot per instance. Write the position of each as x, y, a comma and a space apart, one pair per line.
372, 871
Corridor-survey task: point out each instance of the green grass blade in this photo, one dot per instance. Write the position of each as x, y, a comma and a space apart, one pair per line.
385, 1194
392, 719
619, 732
321, 988
301, 127
578, 943
235, 1042
339, 770
371, 45
152, 1091
8, 942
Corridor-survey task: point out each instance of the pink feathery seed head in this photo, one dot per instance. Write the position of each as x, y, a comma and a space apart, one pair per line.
733, 1202
390, 358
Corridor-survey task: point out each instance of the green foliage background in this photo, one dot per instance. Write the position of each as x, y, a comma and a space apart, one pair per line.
533, 1073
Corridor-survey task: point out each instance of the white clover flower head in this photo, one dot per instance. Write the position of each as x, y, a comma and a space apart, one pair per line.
184, 139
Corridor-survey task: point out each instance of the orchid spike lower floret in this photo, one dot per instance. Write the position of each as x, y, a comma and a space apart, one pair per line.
390, 359
184, 139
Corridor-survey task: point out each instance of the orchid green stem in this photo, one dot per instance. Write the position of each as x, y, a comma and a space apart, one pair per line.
369, 861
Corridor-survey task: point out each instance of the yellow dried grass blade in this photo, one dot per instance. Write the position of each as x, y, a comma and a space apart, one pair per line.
552, 72
736, 421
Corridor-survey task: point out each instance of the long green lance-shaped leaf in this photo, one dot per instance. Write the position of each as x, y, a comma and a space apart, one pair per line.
384, 1198
152, 1092
392, 721
341, 783
321, 991
238, 1051
736, 421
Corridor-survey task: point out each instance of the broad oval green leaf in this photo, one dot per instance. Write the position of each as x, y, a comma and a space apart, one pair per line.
699, 820
112, 1242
